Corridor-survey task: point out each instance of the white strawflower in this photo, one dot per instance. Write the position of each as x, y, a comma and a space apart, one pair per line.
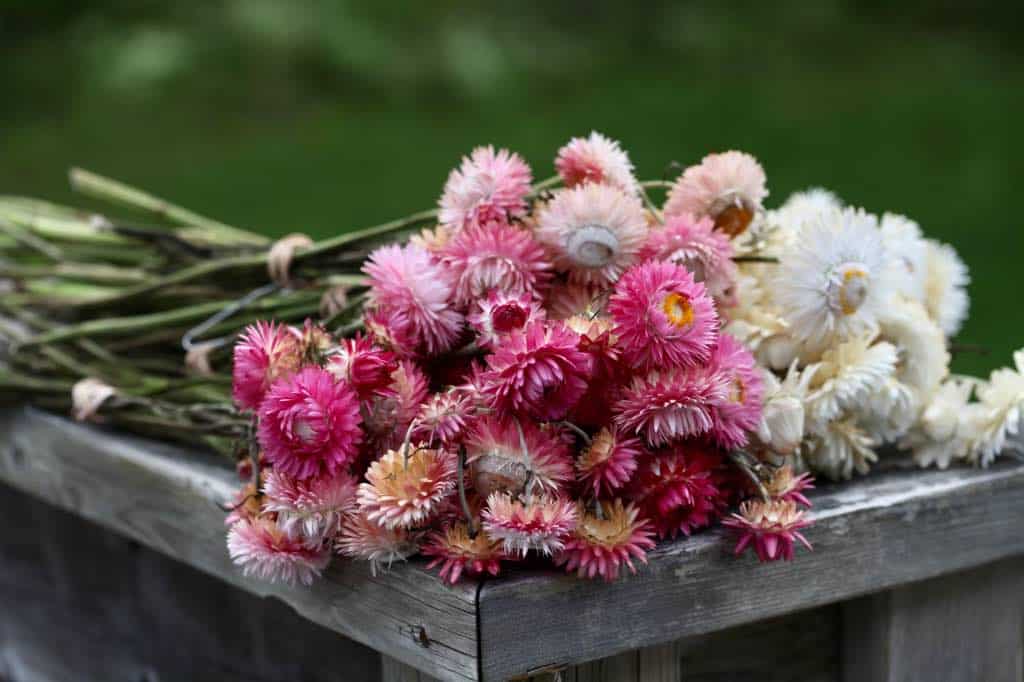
946, 287
889, 410
830, 283
782, 419
908, 253
923, 358
784, 223
756, 323
945, 427
999, 415
848, 374
840, 447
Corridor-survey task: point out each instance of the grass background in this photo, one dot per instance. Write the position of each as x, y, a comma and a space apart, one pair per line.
324, 116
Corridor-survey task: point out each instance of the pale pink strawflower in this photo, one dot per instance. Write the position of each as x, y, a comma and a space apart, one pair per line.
310, 509
739, 413
263, 353
785, 485
407, 487
538, 372
540, 524
592, 232
669, 406
412, 292
361, 538
729, 188
488, 185
602, 544
607, 464
265, 551
500, 313
598, 159
388, 414
771, 528
663, 318
366, 367
495, 257
458, 554
504, 454
706, 253
566, 300
309, 425
677, 489
443, 417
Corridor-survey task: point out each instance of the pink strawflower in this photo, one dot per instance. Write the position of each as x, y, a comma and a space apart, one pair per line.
488, 186
677, 490
538, 372
459, 554
669, 406
412, 292
601, 545
592, 232
541, 524
596, 159
608, 462
500, 313
495, 257
309, 425
443, 417
695, 244
739, 414
264, 352
388, 414
566, 300
366, 367
504, 454
406, 488
361, 538
729, 188
784, 485
310, 509
663, 318
266, 551
772, 528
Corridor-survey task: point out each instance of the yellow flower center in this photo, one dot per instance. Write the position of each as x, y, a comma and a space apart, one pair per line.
853, 289
737, 391
678, 310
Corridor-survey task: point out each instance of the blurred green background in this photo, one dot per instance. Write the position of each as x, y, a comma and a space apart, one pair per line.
327, 115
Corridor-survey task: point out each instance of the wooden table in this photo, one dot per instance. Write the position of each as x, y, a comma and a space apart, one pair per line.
915, 575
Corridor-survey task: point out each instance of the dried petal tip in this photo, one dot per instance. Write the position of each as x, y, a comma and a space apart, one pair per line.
772, 528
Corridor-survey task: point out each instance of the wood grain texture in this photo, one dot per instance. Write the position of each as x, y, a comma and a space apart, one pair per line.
880, 532
396, 671
167, 498
965, 626
83, 603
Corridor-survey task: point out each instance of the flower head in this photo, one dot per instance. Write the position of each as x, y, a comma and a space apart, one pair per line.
264, 352
729, 188
847, 375
946, 281
601, 545
504, 454
593, 232
389, 413
678, 489
663, 318
457, 553
609, 461
264, 550
597, 159
570, 299
363, 365
495, 257
785, 485
443, 417
694, 244
500, 313
537, 372
1001, 411
361, 538
310, 509
411, 292
540, 524
669, 406
309, 425
405, 488
782, 419
771, 528
488, 185
739, 414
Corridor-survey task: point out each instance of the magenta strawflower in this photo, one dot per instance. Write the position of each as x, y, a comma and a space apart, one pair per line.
488, 186
264, 352
668, 406
608, 462
407, 487
361, 538
310, 509
265, 551
598, 159
785, 485
695, 244
663, 318
458, 554
771, 528
538, 372
540, 524
366, 367
495, 257
739, 414
309, 424
500, 313
412, 291
677, 489
729, 188
505, 454
602, 544
388, 414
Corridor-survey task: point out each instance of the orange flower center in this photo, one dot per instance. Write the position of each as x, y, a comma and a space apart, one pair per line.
678, 310
733, 220
737, 391
853, 290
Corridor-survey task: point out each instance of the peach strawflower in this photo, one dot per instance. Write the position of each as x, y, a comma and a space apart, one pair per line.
695, 244
785, 485
598, 159
771, 528
540, 524
406, 487
495, 257
361, 538
739, 414
663, 318
507, 455
500, 313
265, 551
601, 545
729, 188
592, 232
459, 554
311, 509
264, 352
608, 462
669, 406
488, 186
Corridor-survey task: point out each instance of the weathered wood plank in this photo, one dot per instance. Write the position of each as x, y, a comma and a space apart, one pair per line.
881, 532
83, 603
396, 671
167, 498
965, 626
